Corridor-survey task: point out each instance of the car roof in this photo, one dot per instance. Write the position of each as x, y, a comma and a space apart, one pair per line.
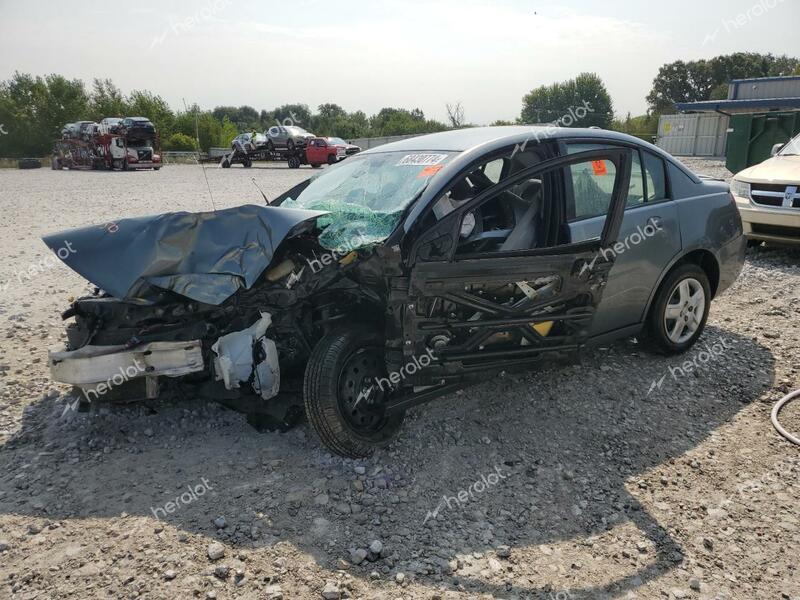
474, 142
461, 140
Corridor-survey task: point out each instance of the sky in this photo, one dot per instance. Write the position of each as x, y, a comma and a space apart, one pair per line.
366, 55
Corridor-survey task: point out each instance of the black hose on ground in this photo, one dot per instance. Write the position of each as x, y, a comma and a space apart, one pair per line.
777, 409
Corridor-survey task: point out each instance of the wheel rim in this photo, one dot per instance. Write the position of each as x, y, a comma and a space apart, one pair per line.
685, 309
359, 396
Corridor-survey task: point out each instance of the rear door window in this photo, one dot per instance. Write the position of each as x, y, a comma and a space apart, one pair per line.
656, 177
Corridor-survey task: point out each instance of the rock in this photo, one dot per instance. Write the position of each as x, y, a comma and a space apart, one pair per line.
503, 551
358, 556
33, 528
331, 591
376, 547
359, 470
694, 583
273, 592
222, 572
679, 593
220, 523
169, 575
148, 432
495, 565
216, 551
5, 545
400, 578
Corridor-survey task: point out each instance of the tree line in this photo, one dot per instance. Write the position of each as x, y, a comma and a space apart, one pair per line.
33, 109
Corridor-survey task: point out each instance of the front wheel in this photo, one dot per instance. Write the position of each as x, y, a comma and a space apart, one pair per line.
680, 310
343, 396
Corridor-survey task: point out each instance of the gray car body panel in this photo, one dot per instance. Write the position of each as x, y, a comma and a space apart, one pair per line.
204, 256
699, 216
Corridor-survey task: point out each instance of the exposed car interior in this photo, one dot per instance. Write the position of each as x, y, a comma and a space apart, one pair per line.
533, 213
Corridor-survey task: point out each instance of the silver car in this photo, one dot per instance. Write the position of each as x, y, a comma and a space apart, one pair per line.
287, 137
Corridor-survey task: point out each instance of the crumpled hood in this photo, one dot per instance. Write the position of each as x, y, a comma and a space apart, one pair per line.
204, 256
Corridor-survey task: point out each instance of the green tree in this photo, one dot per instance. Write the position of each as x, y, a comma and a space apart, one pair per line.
696, 81
33, 111
106, 100
142, 103
560, 103
180, 141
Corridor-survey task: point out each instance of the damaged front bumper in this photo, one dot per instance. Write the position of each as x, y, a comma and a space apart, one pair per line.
98, 369
239, 358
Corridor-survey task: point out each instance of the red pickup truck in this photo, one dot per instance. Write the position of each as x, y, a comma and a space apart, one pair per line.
320, 151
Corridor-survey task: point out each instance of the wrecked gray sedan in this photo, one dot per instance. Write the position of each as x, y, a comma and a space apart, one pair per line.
402, 274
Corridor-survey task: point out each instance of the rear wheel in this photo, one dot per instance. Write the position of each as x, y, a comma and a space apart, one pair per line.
331, 159
342, 398
680, 310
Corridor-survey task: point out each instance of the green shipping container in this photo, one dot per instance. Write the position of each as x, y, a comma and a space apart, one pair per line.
752, 136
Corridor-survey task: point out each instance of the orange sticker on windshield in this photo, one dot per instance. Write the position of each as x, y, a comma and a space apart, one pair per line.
430, 171
599, 167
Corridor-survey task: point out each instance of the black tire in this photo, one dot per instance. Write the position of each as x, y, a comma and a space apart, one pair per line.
656, 335
345, 425
332, 159
247, 163
226, 164
294, 162
315, 165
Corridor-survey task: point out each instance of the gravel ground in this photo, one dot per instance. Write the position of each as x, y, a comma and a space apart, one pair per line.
583, 481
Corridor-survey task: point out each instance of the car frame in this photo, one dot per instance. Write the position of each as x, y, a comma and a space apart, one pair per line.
434, 302
768, 196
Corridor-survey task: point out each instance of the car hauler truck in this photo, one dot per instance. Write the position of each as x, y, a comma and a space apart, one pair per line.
105, 151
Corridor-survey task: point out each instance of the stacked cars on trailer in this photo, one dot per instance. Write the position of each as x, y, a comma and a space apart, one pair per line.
114, 143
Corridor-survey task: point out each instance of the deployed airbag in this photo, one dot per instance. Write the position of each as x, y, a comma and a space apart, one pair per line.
204, 256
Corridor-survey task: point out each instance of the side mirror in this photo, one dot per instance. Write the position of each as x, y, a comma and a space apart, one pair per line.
775, 149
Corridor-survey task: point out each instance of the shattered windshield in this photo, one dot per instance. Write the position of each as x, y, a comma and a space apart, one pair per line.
367, 194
